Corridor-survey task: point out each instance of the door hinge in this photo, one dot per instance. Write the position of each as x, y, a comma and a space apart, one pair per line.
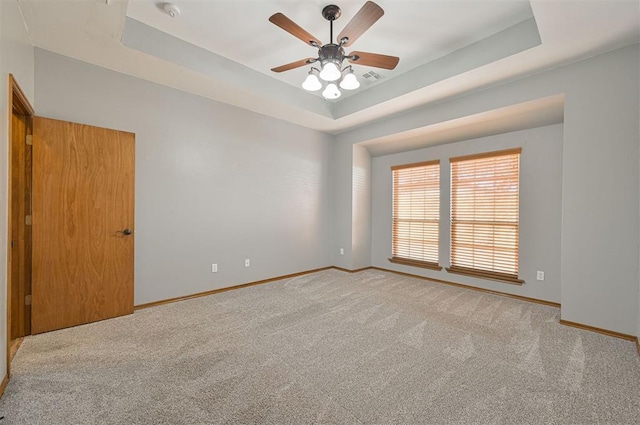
29, 139
27, 300
27, 220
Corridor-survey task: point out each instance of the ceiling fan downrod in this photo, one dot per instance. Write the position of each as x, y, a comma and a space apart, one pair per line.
331, 13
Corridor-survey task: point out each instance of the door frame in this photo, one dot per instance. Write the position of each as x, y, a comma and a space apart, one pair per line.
18, 104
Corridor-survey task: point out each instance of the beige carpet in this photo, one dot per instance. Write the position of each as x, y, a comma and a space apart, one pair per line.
328, 348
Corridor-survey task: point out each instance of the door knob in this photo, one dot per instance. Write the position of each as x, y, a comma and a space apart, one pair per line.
125, 232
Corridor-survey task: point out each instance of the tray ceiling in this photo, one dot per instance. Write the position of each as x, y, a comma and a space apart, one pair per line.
224, 50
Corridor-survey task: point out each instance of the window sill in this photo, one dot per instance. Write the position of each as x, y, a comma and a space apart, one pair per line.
486, 275
415, 263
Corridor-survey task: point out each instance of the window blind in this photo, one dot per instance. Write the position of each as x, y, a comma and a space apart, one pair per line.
485, 214
416, 213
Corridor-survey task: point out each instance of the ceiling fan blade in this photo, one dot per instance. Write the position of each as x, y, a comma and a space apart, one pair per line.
363, 20
294, 65
374, 59
294, 29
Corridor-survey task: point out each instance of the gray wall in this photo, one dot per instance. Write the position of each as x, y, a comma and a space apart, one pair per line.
16, 57
600, 192
361, 214
600, 217
600, 186
540, 208
214, 183
342, 203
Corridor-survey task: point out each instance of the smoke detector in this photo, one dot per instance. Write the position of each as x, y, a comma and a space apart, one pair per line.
171, 10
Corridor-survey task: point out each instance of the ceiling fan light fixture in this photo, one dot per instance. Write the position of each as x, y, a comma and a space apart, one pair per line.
312, 83
331, 92
332, 55
330, 72
349, 81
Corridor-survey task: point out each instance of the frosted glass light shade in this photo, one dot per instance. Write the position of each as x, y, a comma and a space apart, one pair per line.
350, 82
312, 83
330, 72
331, 92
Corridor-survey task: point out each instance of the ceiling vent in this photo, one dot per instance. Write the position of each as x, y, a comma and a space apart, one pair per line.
372, 76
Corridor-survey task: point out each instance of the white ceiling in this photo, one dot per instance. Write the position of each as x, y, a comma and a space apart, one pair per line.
417, 32
223, 50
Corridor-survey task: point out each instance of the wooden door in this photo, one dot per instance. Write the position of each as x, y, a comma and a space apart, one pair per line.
83, 209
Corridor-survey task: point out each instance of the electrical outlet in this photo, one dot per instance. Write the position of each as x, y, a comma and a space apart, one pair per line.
540, 275
214, 268
341, 251
247, 263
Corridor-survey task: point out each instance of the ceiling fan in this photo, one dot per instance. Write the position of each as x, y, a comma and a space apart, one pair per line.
332, 55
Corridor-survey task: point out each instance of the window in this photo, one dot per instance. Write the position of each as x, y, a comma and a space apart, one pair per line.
416, 214
485, 215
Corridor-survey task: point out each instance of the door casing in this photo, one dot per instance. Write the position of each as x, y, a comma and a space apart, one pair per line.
18, 258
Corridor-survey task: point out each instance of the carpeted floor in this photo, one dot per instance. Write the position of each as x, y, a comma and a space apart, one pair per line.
328, 348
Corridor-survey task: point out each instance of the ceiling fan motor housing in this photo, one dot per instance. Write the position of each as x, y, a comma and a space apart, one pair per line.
331, 53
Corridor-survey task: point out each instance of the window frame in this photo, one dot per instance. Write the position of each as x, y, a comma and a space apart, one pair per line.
481, 272
394, 220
